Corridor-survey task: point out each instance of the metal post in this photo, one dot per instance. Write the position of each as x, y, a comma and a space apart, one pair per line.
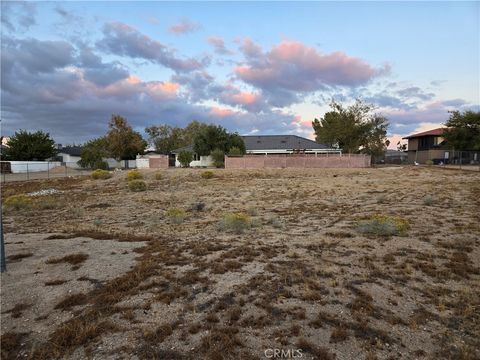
3, 263
65, 169
28, 178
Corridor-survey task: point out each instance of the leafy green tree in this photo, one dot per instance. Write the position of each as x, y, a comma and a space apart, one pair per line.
218, 157
123, 142
213, 137
93, 153
28, 146
185, 158
166, 138
463, 130
353, 129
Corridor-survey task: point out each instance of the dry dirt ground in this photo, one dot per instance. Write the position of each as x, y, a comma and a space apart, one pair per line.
98, 271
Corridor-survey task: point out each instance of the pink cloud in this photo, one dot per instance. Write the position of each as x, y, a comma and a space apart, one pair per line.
292, 66
184, 26
221, 112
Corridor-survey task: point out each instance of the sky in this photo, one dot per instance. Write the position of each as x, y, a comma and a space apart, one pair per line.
252, 67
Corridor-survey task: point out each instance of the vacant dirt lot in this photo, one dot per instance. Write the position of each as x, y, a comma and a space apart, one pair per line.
99, 271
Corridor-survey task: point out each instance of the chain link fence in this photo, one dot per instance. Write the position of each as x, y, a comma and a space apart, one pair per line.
35, 170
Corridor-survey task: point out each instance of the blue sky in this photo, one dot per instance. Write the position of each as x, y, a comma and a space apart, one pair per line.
252, 67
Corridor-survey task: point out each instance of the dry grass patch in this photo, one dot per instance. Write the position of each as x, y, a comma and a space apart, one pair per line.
17, 310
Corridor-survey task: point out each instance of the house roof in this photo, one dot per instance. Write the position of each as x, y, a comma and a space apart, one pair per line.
271, 142
280, 142
433, 132
71, 150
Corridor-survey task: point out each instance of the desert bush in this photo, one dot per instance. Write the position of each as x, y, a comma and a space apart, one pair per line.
101, 174
428, 200
429, 162
18, 202
176, 215
185, 158
382, 199
236, 223
207, 174
218, 157
382, 225
137, 185
157, 175
275, 222
134, 175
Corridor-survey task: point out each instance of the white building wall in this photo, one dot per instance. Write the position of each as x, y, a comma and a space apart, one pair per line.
204, 161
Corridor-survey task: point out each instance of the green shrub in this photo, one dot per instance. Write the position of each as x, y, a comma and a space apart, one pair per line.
382, 225
235, 151
236, 223
429, 162
134, 175
137, 185
18, 202
185, 158
207, 174
218, 157
157, 175
101, 174
176, 215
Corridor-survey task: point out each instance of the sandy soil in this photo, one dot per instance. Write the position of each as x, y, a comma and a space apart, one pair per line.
300, 279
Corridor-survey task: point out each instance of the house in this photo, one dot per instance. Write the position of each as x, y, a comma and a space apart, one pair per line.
428, 145
69, 155
266, 145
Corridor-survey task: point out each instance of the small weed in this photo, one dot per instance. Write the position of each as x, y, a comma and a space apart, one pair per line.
71, 300
176, 215
18, 257
17, 310
382, 199
55, 282
428, 200
137, 185
236, 223
382, 225
339, 334
18, 202
134, 175
207, 174
198, 206
73, 259
100, 174
157, 175
320, 353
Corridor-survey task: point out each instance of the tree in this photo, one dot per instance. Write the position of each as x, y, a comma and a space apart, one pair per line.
123, 142
26, 146
353, 129
166, 138
401, 147
463, 130
185, 158
213, 137
93, 153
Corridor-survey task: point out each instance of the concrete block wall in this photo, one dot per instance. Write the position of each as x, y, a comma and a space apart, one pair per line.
300, 162
158, 162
